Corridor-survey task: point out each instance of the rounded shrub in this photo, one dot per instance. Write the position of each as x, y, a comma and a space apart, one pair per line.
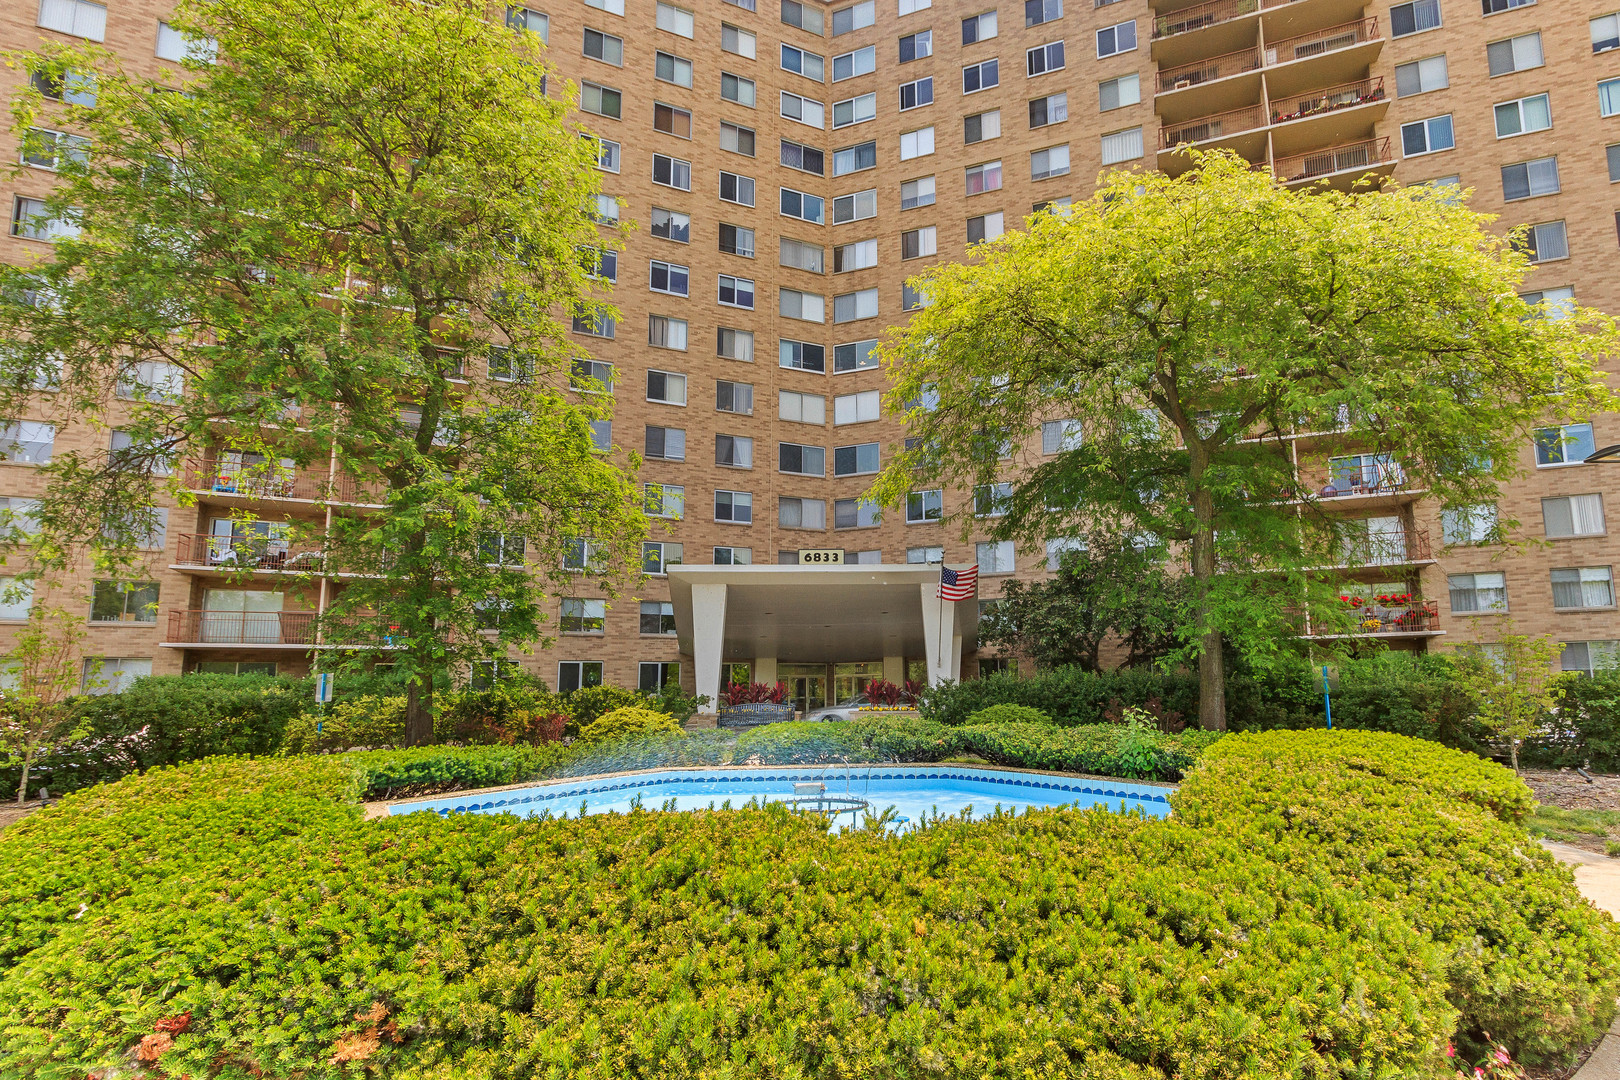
624, 722
1009, 713
589, 702
365, 722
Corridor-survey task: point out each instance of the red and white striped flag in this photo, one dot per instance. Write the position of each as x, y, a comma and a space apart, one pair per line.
958, 584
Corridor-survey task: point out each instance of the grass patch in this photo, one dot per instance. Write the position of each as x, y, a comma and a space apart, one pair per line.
1572, 826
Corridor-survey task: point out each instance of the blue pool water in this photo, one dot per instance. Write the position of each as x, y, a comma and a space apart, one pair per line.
916, 792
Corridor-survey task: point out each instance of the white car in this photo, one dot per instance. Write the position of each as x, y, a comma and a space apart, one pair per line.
844, 710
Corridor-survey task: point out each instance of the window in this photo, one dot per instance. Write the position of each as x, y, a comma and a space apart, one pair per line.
1414, 18
861, 255
604, 47
1572, 515
539, 23
859, 62
1529, 179
127, 602
734, 397
990, 500
601, 436
172, 45
804, 110
736, 507
666, 387
733, 556
808, 306
1513, 54
925, 555
672, 172
855, 356
605, 210
671, 225
580, 554
852, 159
597, 263
1056, 549
1476, 524
591, 377
912, 298
151, 380
919, 243
801, 513
1524, 115
658, 556
856, 460
1613, 153
924, 506
48, 149
669, 278
1493, 7
666, 444
977, 28
1566, 445
653, 676
801, 460
1060, 435
981, 126
575, 674
1585, 587
736, 291
599, 324
737, 40
804, 158
801, 256
857, 514
1544, 242
664, 500
913, 47
113, 675
860, 408
1550, 303
911, 7
802, 16
801, 408
672, 121
1045, 164
607, 154
735, 345
71, 88
1589, 657
981, 76
79, 18
1609, 97
27, 442
984, 227
1043, 58
982, 178
674, 19
1606, 33
1421, 76
847, 20
664, 332
857, 206
602, 100
1042, 11
917, 93
800, 62
736, 188
1118, 38
737, 240
1426, 136
1478, 592
30, 219
855, 305
854, 110
739, 140
736, 88
914, 144
801, 355
995, 557
1112, 94
583, 616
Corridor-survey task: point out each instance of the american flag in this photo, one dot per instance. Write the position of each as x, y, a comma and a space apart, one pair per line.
957, 584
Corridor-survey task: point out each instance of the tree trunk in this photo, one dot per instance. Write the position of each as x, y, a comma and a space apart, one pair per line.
22, 788
1211, 664
1211, 684
419, 712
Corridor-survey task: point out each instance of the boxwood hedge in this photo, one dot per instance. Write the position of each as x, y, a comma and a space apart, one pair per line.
1318, 906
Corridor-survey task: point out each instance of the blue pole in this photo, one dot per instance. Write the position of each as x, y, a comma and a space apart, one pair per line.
1327, 697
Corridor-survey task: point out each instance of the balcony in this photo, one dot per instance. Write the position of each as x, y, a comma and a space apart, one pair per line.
1199, 16
245, 484
1220, 127
1313, 116
1187, 76
1327, 116
1378, 549
268, 629
1417, 618
231, 555
1183, 34
1336, 165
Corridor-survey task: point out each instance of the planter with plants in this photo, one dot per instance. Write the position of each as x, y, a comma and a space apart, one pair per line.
745, 705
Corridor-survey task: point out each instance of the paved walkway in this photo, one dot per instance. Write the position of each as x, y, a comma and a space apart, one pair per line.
1598, 878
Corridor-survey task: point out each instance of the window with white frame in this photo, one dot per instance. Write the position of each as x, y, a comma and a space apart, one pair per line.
802, 355
1478, 593
590, 376
1414, 17
803, 62
925, 506
1119, 38
853, 159
736, 89
664, 500
849, 307
607, 48
990, 500
802, 16
1572, 515
1427, 136
1469, 525
861, 61
917, 93
1421, 76
737, 240
801, 513
581, 616
915, 46
981, 76
579, 553
984, 227
735, 344
852, 18
858, 408
151, 380
672, 172
657, 556
734, 451
671, 225
666, 387
976, 28
671, 278
665, 443
734, 39
734, 397
801, 256
801, 460
861, 255
1512, 54
915, 144
1529, 179
1583, 587
601, 100
737, 139
1523, 115
805, 110
1056, 549
995, 557
983, 178
804, 158
806, 306
1045, 164
1120, 146
1568, 444
30, 219
576, 674
736, 291
801, 205
801, 408
607, 153
854, 110
1589, 657
601, 436
856, 206
981, 127
919, 243
605, 209
1043, 58
78, 18
855, 356
1609, 97
736, 188
664, 332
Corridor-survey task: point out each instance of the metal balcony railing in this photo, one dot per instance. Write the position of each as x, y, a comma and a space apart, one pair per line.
1321, 42
1205, 128
1414, 617
239, 553
1188, 19
1327, 100
269, 480
1385, 549
289, 628
1366, 154
1216, 67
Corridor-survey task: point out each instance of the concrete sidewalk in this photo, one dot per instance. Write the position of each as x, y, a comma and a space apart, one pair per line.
1598, 878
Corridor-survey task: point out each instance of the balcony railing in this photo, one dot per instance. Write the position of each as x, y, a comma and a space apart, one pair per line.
289, 628
1416, 617
1331, 99
1380, 479
1216, 67
273, 481
1185, 20
243, 553
1385, 549
1320, 42
1219, 126
1366, 154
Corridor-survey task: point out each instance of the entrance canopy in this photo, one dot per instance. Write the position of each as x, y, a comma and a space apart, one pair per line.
817, 615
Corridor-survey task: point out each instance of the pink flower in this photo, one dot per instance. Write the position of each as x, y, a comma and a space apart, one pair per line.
1451, 1051
1479, 1072
1502, 1056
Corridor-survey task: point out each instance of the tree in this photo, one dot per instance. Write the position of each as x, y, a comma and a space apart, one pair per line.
349, 217
1514, 681
43, 673
1186, 327
1065, 619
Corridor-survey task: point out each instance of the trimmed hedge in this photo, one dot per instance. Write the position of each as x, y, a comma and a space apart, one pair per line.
1008, 713
1100, 749
1318, 906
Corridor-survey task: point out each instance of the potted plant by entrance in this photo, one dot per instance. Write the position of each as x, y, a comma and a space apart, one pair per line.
745, 705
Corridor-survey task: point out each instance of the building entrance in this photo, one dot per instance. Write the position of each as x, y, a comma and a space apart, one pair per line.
806, 683
851, 679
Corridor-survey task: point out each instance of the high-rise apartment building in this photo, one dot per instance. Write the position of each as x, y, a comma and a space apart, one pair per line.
787, 165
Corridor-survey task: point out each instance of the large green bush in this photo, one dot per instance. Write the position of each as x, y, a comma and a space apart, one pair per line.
1318, 906
628, 721
362, 722
1100, 749
1009, 713
589, 702
1585, 729
1070, 696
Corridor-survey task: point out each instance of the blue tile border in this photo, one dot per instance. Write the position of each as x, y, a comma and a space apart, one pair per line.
557, 791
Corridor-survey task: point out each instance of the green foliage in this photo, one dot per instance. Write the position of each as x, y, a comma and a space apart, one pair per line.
1433, 836
1586, 728
1098, 749
589, 702
628, 721
1573, 826
656, 751
904, 738
1069, 696
509, 711
800, 743
359, 722
427, 770
671, 699
1009, 713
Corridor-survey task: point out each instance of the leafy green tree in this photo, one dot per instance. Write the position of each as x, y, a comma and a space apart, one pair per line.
349, 217
1515, 681
1188, 326
42, 673
1067, 618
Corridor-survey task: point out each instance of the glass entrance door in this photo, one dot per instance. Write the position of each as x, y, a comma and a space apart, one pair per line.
851, 679
806, 683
